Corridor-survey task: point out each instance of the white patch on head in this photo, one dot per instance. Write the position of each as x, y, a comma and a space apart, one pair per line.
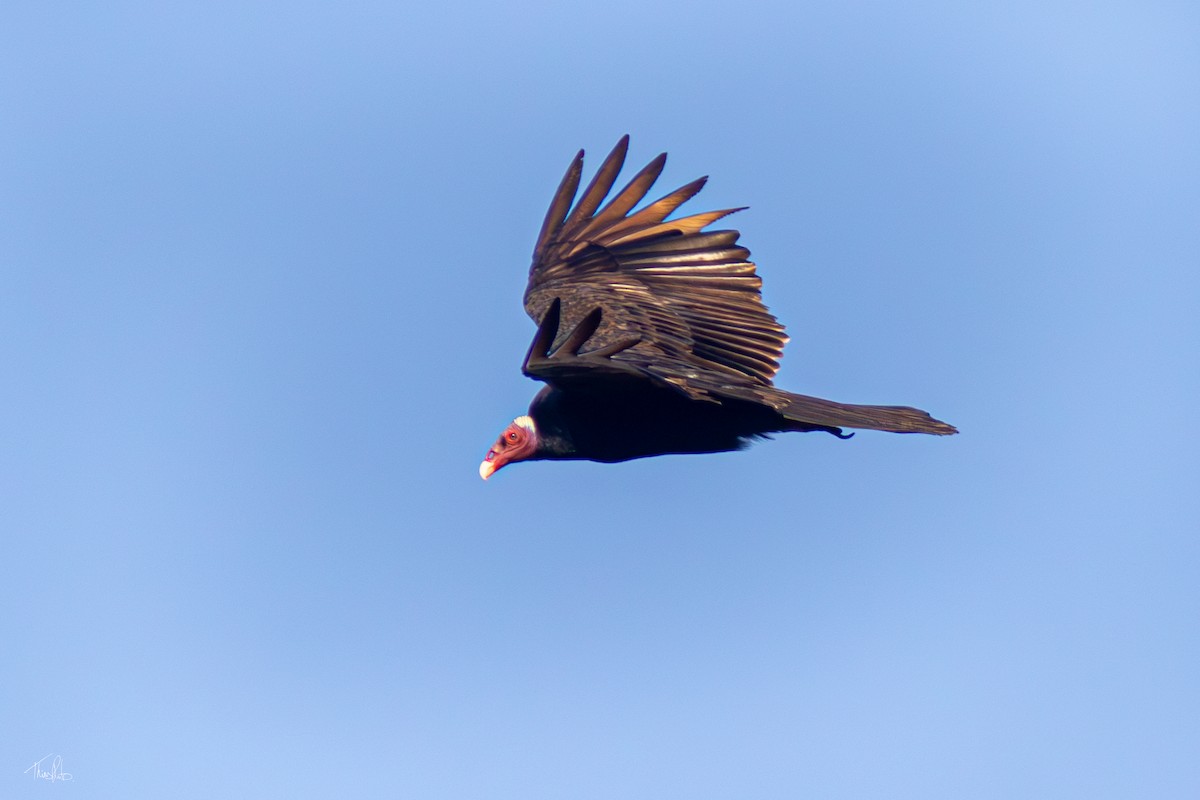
526, 423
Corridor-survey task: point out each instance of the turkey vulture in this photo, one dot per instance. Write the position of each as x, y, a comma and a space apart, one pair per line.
653, 338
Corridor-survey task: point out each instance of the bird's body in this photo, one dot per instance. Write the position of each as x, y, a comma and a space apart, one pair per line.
652, 336
610, 428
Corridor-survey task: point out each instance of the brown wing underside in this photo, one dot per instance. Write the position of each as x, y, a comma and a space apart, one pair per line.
691, 297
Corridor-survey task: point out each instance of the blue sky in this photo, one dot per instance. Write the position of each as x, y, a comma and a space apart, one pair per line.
260, 318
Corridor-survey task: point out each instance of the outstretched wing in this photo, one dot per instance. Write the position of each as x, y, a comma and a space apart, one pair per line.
690, 298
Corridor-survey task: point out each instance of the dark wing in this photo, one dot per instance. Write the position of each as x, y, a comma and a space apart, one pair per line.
678, 305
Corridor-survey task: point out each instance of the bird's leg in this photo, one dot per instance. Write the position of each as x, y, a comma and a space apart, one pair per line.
546, 333
614, 348
586, 328
548, 329
582, 332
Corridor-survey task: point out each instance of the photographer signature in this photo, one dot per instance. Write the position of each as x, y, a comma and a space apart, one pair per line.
55, 772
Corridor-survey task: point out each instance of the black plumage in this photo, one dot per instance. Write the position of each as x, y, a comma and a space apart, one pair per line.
652, 335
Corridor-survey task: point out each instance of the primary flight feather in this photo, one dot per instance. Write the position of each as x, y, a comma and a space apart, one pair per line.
652, 335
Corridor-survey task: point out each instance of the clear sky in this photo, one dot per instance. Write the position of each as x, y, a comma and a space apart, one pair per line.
261, 270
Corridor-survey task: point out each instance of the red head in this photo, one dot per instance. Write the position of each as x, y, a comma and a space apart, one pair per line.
518, 443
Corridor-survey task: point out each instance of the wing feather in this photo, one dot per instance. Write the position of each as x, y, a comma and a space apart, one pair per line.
691, 298
692, 224
599, 187
627, 198
652, 214
559, 206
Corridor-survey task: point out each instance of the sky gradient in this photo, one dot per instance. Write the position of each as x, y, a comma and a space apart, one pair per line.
260, 318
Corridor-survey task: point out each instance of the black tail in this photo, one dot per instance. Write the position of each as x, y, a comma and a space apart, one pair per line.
814, 411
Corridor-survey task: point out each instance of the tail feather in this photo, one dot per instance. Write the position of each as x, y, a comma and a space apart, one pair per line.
814, 411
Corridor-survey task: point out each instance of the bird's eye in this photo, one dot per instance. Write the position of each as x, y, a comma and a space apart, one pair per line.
512, 437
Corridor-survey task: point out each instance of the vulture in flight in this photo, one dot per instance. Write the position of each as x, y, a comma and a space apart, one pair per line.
652, 335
